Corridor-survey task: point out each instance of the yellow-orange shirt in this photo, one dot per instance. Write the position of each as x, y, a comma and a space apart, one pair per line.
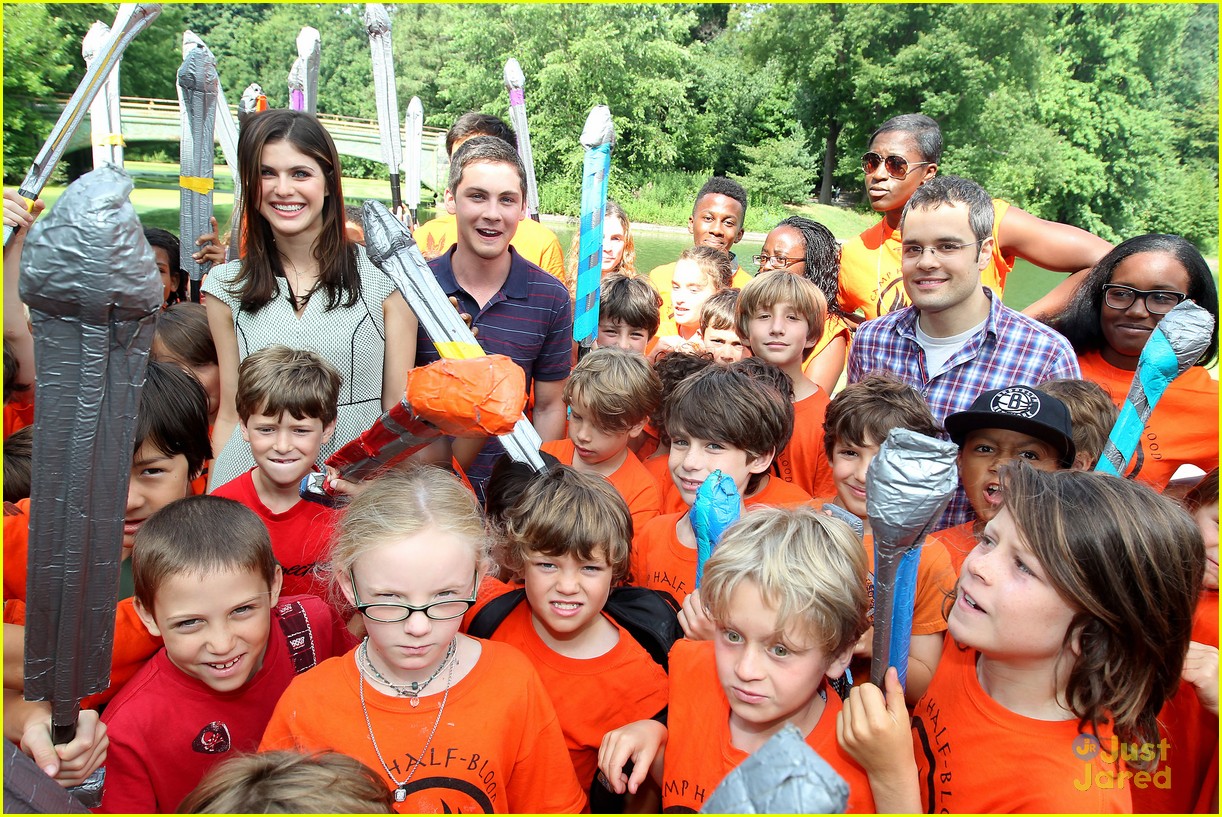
533, 241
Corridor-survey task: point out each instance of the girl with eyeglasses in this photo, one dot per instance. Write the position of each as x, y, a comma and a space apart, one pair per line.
452, 723
1109, 321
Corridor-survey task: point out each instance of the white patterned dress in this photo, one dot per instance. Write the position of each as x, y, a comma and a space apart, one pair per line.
352, 339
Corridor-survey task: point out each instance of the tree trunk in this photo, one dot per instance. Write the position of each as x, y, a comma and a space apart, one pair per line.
829, 161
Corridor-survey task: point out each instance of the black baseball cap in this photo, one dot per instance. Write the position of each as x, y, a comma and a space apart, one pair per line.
1022, 409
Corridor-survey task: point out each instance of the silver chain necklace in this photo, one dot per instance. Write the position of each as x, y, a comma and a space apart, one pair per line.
401, 787
415, 689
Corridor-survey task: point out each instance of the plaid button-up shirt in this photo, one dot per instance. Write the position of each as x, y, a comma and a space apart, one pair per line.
1011, 350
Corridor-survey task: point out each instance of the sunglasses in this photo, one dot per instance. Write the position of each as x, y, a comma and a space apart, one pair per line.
897, 166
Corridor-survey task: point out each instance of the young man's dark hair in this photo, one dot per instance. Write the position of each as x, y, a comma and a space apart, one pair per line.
479, 124
923, 130
725, 187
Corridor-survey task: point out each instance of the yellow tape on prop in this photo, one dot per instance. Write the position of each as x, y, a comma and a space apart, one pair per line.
460, 350
196, 184
111, 139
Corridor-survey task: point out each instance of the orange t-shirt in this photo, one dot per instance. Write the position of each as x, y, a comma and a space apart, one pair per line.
957, 541
777, 493
634, 483
803, 461
498, 748
534, 242
18, 413
974, 755
1189, 776
699, 753
660, 560
649, 442
670, 501
870, 277
592, 696
662, 278
1183, 427
833, 327
16, 548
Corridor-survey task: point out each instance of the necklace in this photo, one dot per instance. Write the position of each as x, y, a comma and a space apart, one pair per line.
415, 688
298, 301
401, 788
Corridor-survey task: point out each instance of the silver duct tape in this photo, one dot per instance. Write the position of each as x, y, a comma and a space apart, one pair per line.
413, 126
784, 776
515, 80
93, 289
309, 51
377, 24
908, 484
599, 128
392, 249
199, 88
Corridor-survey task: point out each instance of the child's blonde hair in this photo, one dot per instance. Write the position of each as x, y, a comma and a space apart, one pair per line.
288, 782
811, 567
1092, 414
564, 512
402, 503
714, 264
718, 311
768, 289
277, 379
195, 536
1130, 564
618, 388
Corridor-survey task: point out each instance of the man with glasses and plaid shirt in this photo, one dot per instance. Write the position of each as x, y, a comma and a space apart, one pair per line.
904, 154
956, 339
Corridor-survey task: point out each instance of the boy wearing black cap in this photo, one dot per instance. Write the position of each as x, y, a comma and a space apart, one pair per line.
1016, 422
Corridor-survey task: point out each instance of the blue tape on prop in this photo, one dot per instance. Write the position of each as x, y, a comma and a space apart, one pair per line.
901, 612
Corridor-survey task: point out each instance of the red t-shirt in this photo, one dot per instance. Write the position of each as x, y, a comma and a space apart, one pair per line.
699, 752
592, 696
1183, 427
301, 536
803, 461
167, 729
974, 755
634, 483
498, 748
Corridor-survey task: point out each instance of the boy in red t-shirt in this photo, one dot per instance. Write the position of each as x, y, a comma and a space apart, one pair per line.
208, 584
856, 423
286, 402
786, 589
780, 314
610, 395
719, 419
598, 675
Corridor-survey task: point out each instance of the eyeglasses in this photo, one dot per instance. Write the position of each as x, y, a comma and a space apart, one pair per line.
944, 249
1157, 301
389, 613
780, 261
897, 166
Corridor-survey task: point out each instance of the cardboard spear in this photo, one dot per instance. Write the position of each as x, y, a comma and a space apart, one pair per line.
462, 397
908, 485
1174, 347
92, 286
515, 84
377, 23
226, 125
105, 123
130, 21
198, 89
597, 137
414, 129
303, 76
392, 249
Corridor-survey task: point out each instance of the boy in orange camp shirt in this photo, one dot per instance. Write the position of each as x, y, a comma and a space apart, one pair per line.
786, 589
858, 420
779, 314
610, 395
719, 419
599, 677
1002, 425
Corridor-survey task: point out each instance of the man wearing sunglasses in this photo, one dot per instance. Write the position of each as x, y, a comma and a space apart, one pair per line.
903, 155
957, 339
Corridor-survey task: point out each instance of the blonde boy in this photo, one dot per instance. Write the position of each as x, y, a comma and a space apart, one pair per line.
286, 403
857, 421
610, 395
786, 590
600, 677
780, 315
207, 583
718, 328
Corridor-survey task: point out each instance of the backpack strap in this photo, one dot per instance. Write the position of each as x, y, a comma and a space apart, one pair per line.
488, 619
295, 623
650, 616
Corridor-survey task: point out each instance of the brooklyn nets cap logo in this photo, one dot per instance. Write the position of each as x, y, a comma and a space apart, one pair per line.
1016, 400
